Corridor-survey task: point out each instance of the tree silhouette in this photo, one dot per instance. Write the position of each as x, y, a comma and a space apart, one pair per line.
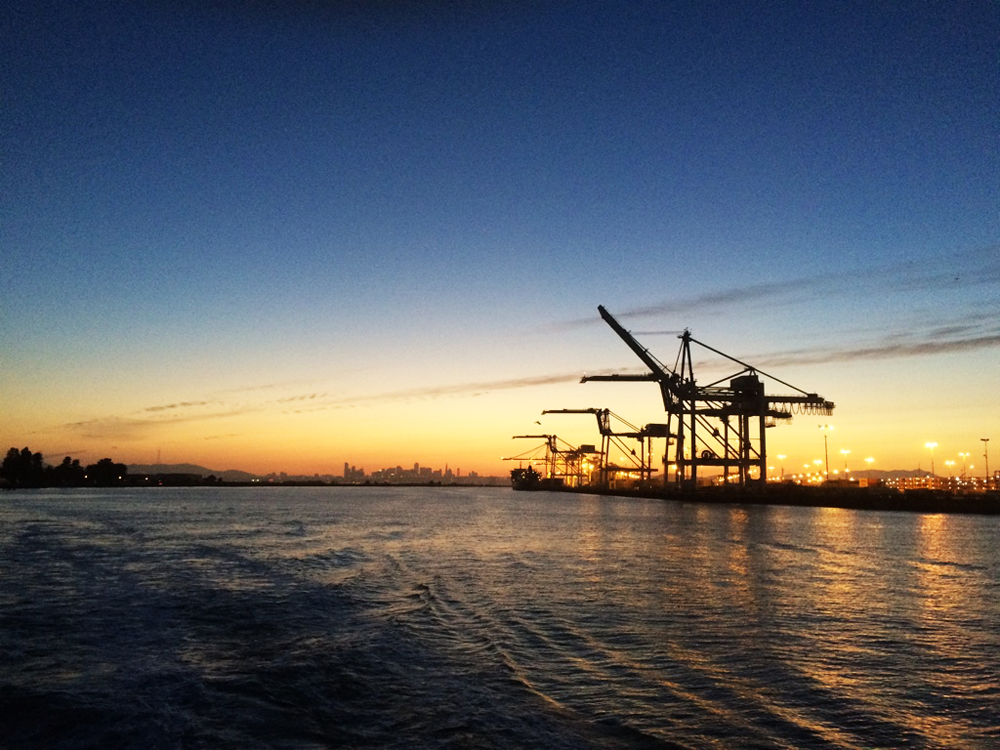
106, 473
22, 468
67, 474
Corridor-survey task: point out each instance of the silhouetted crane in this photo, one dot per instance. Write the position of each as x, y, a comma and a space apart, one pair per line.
611, 437
562, 461
714, 423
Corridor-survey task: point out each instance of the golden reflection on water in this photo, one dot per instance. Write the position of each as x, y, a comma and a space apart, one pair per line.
820, 596
590, 538
857, 606
737, 563
738, 582
944, 578
847, 601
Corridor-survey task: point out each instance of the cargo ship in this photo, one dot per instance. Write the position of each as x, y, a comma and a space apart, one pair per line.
526, 478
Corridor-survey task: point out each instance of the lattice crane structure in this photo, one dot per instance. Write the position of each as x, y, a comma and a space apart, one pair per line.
715, 425
612, 437
563, 462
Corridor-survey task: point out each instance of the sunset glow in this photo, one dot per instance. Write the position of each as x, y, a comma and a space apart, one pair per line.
282, 240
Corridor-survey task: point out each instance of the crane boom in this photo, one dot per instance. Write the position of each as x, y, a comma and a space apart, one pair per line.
643, 353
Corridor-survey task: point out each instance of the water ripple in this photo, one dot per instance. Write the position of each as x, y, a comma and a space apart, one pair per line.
439, 618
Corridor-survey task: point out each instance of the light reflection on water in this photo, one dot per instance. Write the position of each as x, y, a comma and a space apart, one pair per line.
440, 617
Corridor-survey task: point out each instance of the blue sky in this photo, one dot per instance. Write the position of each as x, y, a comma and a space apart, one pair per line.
357, 202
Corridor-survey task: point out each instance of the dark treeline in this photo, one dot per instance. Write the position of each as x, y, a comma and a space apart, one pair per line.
22, 468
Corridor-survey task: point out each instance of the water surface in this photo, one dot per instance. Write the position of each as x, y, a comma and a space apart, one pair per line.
459, 617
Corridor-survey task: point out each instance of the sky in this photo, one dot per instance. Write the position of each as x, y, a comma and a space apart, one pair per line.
282, 236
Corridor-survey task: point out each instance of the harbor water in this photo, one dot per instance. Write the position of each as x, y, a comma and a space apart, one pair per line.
440, 617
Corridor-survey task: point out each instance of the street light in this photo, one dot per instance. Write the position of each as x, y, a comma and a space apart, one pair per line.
965, 460
932, 446
782, 458
826, 452
845, 453
869, 461
949, 464
986, 455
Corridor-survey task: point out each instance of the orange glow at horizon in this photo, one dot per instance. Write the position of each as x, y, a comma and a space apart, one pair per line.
303, 428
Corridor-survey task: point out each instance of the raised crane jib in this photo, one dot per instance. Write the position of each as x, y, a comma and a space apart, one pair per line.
634, 345
603, 417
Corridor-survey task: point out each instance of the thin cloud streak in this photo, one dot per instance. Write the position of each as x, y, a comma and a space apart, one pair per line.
974, 332
702, 303
179, 405
967, 269
885, 350
135, 427
949, 338
456, 389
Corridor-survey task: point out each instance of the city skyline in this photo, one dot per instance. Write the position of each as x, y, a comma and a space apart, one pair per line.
281, 236
780, 466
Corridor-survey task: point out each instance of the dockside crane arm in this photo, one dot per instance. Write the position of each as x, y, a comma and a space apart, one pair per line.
811, 403
655, 366
644, 377
603, 417
672, 388
550, 440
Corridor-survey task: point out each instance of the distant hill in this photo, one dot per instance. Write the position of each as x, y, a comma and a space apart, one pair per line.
231, 475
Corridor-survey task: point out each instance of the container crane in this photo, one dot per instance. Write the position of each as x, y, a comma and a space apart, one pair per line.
610, 437
550, 446
562, 460
714, 424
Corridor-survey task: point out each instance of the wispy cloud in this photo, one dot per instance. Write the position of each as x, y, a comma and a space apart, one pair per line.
179, 405
139, 424
973, 332
953, 272
880, 351
932, 335
303, 397
767, 292
477, 388
951, 338
112, 428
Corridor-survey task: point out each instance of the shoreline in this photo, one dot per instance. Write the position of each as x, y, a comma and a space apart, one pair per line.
854, 498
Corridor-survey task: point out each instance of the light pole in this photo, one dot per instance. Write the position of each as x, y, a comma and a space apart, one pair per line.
932, 446
869, 461
781, 458
965, 462
950, 464
845, 453
986, 455
826, 452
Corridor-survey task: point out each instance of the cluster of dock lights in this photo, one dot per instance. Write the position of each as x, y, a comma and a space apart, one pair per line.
816, 476
812, 473
819, 472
